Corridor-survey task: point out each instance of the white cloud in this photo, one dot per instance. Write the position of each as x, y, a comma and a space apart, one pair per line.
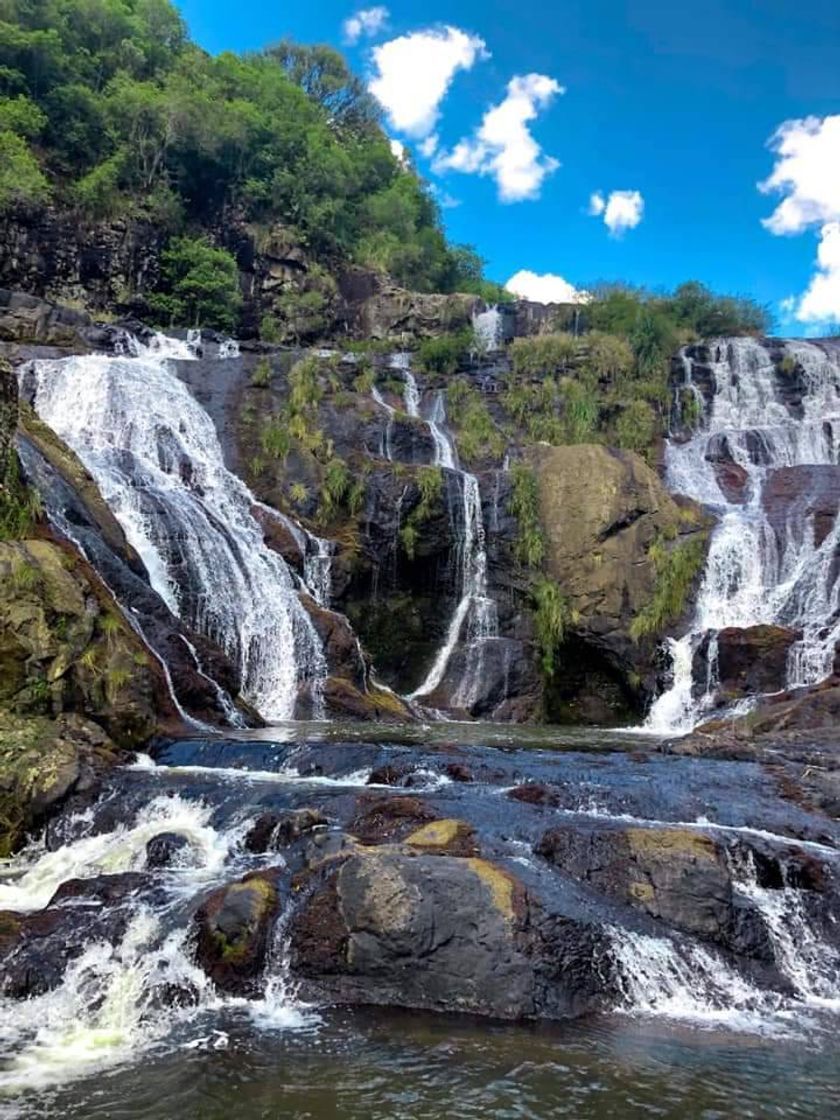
806, 172
503, 145
621, 210
366, 22
597, 204
545, 288
821, 301
415, 71
398, 150
429, 146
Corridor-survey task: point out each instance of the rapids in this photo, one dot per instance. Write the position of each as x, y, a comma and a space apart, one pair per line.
105, 1040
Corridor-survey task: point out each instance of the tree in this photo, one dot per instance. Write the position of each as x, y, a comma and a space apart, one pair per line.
324, 76
202, 283
22, 182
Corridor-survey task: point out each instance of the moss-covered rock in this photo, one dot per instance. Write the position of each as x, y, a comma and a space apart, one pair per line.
234, 925
446, 837
64, 645
42, 761
626, 557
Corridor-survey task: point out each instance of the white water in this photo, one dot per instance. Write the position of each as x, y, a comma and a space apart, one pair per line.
487, 328
475, 608
658, 976
104, 1012
751, 577
811, 965
157, 461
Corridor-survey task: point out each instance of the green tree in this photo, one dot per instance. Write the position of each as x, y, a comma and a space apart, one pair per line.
22, 182
202, 284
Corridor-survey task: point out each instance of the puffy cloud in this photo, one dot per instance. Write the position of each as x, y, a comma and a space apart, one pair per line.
503, 145
621, 210
821, 301
397, 150
807, 172
545, 288
415, 71
366, 22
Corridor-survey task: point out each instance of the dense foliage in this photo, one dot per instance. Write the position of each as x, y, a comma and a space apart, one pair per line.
108, 108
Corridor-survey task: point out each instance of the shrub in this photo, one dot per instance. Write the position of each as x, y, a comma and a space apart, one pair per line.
335, 487
261, 375
443, 355
22, 183
544, 354
580, 411
477, 435
636, 427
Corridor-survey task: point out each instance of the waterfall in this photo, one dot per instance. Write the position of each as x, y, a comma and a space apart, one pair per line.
487, 328
386, 449
156, 458
475, 607
751, 577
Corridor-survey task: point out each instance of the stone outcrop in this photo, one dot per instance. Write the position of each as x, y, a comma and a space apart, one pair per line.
233, 930
749, 661
603, 511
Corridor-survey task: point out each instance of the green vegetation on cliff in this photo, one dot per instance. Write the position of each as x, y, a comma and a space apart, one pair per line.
109, 110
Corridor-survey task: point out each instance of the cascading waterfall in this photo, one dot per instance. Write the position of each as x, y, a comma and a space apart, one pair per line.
475, 608
156, 458
749, 578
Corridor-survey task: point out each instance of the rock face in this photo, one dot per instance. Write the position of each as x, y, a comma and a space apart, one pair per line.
603, 511
234, 926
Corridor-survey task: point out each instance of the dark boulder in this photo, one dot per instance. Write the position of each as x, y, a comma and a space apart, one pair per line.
795, 498
749, 661
233, 933
380, 820
274, 831
166, 849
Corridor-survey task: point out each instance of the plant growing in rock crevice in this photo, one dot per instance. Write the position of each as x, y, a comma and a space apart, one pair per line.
476, 433
676, 567
553, 616
429, 482
524, 505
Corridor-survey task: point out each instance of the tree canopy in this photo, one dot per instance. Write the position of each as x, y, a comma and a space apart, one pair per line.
106, 106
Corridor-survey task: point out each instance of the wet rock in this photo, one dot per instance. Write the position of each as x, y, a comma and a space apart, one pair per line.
677, 875
536, 793
341, 646
233, 930
166, 849
505, 683
381, 820
36, 948
342, 698
425, 931
444, 837
274, 831
458, 772
749, 661
42, 762
797, 498
391, 774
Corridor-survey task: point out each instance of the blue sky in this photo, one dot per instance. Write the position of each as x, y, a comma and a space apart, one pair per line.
674, 101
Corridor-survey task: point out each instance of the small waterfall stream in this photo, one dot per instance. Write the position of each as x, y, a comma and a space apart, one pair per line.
156, 458
475, 608
752, 577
